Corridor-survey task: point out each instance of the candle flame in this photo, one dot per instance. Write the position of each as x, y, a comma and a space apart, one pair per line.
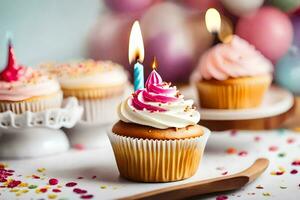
136, 45
213, 20
154, 63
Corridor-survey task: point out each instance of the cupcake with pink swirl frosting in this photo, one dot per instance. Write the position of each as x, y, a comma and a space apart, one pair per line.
157, 138
232, 75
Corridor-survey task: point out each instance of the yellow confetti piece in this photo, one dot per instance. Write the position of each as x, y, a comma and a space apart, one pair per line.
14, 190
59, 186
41, 170
25, 191
52, 196
266, 194
38, 191
18, 194
281, 169
103, 186
23, 185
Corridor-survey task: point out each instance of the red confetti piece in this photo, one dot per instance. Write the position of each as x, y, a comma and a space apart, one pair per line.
79, 191
257, 139
233, 132
13, 184
43, 190
222, 197
35, 176
79, 147
290, 140
56, 190
53, 181
80, 177
2, 180
224, 173
294, 171
296, 163
89, 196
231, 150
94, 177
243, 153
273, 148
71, 184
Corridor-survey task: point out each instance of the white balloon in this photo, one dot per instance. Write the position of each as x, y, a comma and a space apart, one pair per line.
242, 7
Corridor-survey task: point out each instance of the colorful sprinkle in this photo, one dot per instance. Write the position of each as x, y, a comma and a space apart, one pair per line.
296, 163
53, 181
52, 196
32, 186
221, 197
93, 177
281, 155
294, 171
79, 191
231, 150
283, 187
225, 173
56, 190
79, 147
71, 184
89, 196
259, 187
290, 140
41, 170
103, 186
257, 138
243, 153
13, 183
43, 190
273, 148
233, 132
266, 194
35, 176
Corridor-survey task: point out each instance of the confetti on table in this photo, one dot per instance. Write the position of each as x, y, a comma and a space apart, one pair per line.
79, 147
257, 138
52, 196
53, 181
296, 163
71, 184
273, 148
281, 155
225, 173
283, 187
41, 170
290, 140
221, 197
79, 191
259, 187
89, 196
243, 153
231, 150
294, 171
266, 194
56, 190
103, 186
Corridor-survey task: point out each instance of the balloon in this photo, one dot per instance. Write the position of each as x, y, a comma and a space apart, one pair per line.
287, 73
175, 39
203, 5
129, 5
269, 30
296, 26
286, 5
108, 39
242, 7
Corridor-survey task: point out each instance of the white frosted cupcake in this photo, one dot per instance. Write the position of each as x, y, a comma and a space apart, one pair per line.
157, 138
98, 85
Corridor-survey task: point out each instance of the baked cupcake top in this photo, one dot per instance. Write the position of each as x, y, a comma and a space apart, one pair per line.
234, 59
88, 74
158, 105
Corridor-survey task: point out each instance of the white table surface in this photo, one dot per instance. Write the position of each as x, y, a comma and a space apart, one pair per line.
96, 171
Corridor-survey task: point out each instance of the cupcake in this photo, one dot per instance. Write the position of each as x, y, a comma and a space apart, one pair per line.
98, 86
232, 75
25, 89
157, 138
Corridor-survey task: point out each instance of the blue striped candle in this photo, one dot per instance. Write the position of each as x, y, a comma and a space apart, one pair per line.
138, 76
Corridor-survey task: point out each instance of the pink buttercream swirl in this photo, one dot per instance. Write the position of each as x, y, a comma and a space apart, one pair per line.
231, 60
156, 91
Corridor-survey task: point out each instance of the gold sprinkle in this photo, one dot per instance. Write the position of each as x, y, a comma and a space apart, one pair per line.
52, 196
103, 187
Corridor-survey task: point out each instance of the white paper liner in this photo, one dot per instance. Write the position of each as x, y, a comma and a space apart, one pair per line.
100, 111
37, 105
149, 160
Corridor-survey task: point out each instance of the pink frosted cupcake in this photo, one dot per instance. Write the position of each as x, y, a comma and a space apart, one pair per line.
232, 75
24, 89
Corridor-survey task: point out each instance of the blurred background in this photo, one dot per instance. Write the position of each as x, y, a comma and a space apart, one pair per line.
173, 31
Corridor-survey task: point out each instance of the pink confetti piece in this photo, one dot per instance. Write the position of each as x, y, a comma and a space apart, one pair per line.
243, 153
233, 132
89, 196
221, 197
53, 181
296, 163
294, 171
290, 140
80, 177
273, 148
71, 184
35, 176
79, 147
257, 138
225, 173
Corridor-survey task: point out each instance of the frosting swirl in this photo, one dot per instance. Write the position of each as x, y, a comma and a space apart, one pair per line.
31, 83
158, 105
231, 60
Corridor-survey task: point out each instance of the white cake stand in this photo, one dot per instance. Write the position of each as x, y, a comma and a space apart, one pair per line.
86, 135
37, 134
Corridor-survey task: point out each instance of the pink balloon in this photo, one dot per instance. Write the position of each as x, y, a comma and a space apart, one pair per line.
129, 5
269, 30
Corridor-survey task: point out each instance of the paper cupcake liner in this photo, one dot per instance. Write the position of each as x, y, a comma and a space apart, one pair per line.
100, 111
148, 160
233, 94
35, 104
95, 93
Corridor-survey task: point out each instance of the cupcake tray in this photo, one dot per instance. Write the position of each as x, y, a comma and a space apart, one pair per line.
278, 104
21, 135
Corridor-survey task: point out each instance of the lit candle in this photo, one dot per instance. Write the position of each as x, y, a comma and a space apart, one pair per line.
136, 54
213, 24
